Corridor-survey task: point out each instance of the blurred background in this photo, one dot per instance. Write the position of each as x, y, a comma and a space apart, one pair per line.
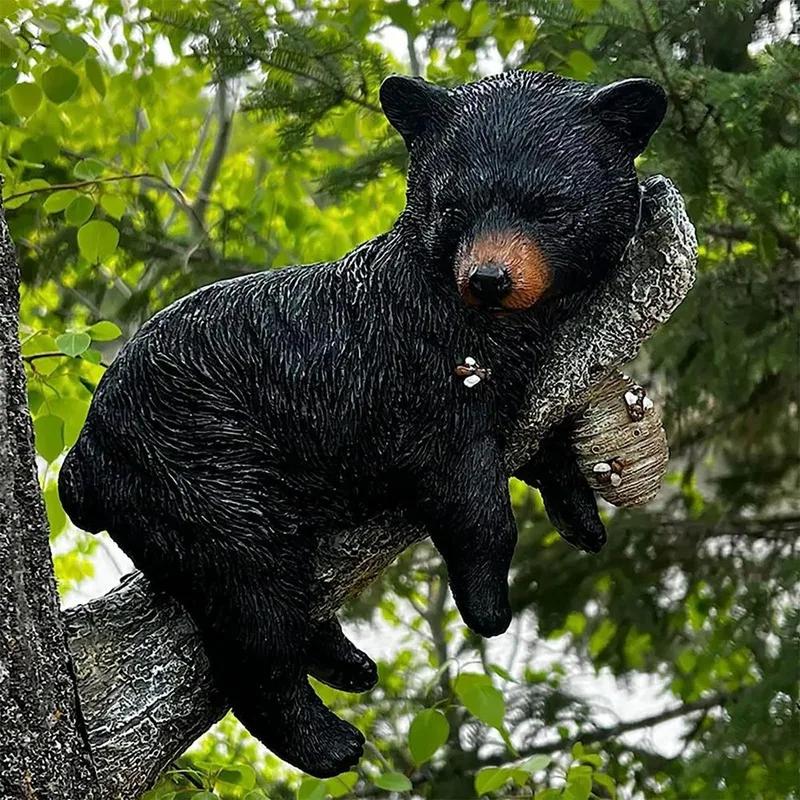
150, 148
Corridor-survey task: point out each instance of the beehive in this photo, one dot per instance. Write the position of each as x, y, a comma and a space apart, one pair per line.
620, 442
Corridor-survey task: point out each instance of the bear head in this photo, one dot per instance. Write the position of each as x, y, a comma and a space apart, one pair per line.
523, 184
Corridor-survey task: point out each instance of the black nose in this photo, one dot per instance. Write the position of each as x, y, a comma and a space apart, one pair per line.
490, 283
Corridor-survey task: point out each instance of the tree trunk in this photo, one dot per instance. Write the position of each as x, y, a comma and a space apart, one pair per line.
142, 675
43, 749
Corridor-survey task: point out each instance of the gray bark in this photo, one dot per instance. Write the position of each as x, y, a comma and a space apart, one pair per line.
43, 751
142, 675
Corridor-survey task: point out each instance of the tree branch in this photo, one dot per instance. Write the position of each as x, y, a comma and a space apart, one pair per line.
614, 731
224, 127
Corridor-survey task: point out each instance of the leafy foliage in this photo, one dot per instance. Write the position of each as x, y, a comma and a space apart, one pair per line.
151, 148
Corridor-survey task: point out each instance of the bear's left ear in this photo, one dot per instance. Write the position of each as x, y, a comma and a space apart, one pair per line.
633, 108
410, 103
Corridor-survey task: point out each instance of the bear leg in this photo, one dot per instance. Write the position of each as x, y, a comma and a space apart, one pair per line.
465, 505
248, 594
567, 497
336, 661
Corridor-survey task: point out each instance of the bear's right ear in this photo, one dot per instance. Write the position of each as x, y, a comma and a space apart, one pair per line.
409, 104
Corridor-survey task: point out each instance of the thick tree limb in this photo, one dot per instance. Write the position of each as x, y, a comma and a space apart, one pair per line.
43, 750
142, 676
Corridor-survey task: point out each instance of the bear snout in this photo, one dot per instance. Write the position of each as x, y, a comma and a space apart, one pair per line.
502, 270
490, 283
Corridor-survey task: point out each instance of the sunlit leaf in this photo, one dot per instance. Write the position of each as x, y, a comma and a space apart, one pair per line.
489, 779
238, 775
97, 240
311, 789
79, 210
534, 763
113, 205
49, 436
25, 98
58, 201
59, 83
428, 732
56, 516
481, 699
70, 45
104, 331
88, 169
393, 782
94, 73
73, 344
46, 25
341, 785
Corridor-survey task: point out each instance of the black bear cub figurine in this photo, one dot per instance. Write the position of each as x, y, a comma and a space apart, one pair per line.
248, 420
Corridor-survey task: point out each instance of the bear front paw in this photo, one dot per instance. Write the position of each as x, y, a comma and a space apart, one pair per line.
486, 612
326, 751
356, 674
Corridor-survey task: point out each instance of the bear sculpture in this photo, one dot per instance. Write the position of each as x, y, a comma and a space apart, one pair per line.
247, 421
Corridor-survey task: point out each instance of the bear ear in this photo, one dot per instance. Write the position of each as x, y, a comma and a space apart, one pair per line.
409, 104
633, 108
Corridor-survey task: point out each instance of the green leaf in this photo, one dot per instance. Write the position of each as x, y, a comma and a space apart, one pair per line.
70, 45
549, 794
581, 64
8, 77
42, 343
519, 777
482, 700
579, 785
88, 169
73, 344
60, 83
48, 432
489, 779
93, 356
25, 98
502, 672
594, 35
602, 637
104, 331
94, 72
311, 789
24, 189
79, 210
46, 25
237, 774
58, 201
97, 240
393, 782
256, 794
73, 411
205, 796
428, 732
341, 785
56, 516
113, 205
593, 759
534, 764
607, 782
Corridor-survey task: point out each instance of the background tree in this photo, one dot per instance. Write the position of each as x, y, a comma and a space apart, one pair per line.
150, 148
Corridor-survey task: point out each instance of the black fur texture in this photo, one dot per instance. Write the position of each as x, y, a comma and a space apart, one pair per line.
247, 421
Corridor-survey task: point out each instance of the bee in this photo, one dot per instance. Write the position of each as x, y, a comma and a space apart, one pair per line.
637, 402
472, 373
609, 472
